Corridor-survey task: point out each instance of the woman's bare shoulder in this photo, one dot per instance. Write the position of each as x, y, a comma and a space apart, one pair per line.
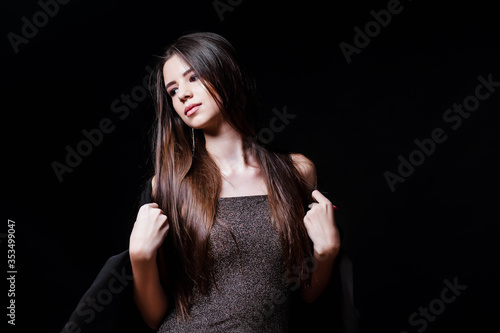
153, 185
306, 168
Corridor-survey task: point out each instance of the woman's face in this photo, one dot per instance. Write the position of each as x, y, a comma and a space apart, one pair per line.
190, 97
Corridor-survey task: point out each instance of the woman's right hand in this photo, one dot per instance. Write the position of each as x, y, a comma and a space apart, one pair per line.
150, 229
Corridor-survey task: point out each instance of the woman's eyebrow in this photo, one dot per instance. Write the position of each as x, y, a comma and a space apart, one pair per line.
183, 74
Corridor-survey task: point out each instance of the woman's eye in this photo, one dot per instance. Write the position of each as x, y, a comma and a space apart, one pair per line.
192, 78
172, 92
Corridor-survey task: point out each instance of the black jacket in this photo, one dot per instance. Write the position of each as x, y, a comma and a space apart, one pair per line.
108, 304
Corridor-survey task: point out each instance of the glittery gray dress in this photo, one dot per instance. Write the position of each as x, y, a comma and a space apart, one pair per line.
251, 295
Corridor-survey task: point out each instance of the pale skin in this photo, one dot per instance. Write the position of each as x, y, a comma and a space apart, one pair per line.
239, 178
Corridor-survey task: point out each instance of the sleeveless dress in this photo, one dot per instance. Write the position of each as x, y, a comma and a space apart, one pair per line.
250, 294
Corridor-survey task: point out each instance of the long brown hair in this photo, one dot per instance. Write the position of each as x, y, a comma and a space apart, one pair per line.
188, 184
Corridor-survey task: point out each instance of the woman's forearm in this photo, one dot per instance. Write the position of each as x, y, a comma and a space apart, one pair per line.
149, 295
148, 234
320, 278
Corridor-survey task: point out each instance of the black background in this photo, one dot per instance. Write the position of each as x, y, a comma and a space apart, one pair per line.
353, 120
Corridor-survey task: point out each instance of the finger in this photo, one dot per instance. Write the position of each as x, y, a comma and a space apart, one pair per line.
311, 205
147, 206
319, 197
163, 220
155, 208
165, 226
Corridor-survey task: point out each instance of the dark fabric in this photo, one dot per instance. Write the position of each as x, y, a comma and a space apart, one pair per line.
334, 310
108, 304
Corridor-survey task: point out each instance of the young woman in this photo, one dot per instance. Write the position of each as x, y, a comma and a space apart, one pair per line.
233, 227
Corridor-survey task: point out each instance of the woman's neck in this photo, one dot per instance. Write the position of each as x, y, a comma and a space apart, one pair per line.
226, 148
241, 175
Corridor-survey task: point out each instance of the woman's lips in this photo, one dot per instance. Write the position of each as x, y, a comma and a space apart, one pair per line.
191, 109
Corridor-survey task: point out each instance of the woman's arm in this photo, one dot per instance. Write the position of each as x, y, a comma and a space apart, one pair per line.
321, 228
150, 229
320, 225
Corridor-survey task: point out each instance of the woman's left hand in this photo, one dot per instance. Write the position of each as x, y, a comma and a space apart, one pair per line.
320, 224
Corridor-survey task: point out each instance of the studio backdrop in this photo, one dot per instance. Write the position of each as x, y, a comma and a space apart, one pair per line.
397, 103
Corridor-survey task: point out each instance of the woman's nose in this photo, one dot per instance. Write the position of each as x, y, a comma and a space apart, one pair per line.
184, 94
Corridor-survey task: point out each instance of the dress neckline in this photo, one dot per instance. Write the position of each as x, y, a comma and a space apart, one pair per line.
244, 196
